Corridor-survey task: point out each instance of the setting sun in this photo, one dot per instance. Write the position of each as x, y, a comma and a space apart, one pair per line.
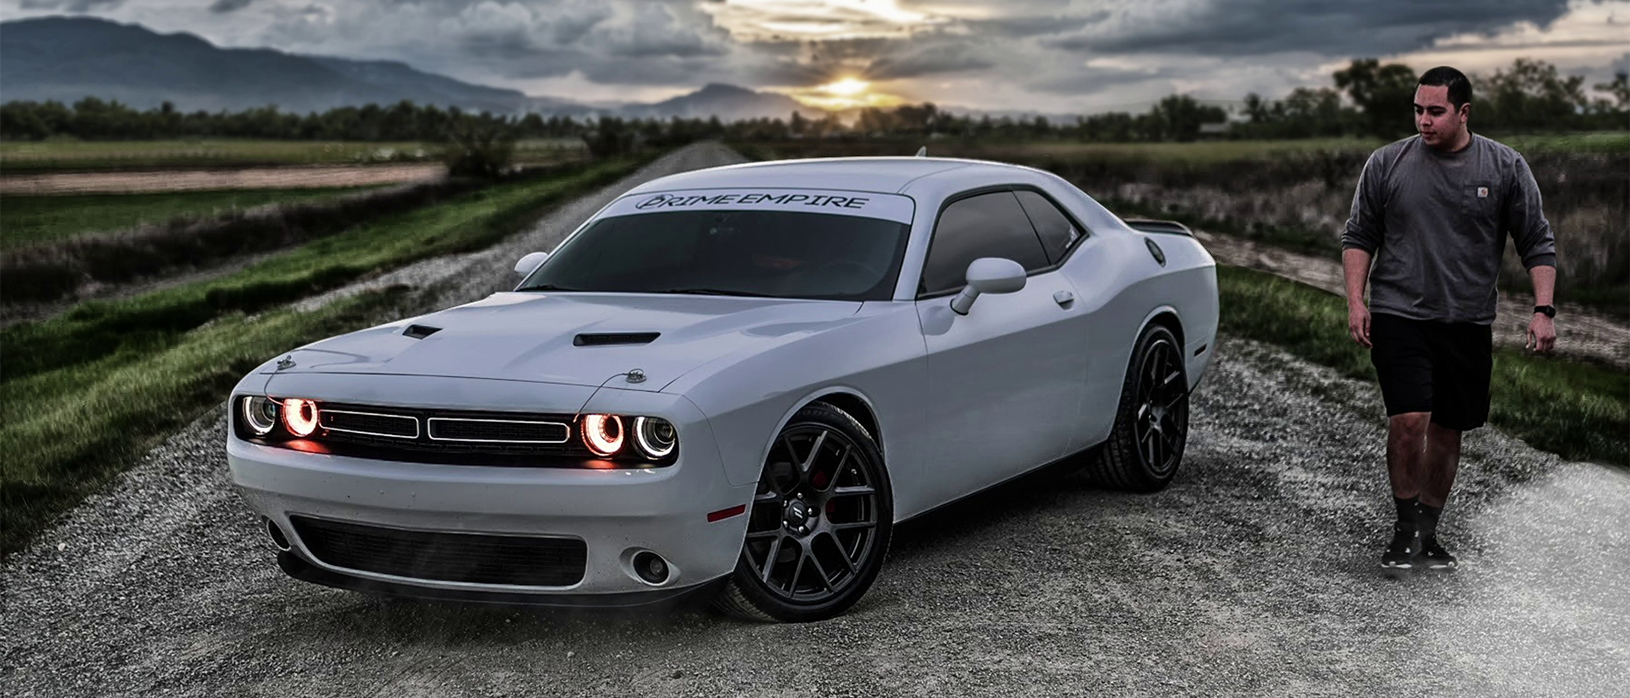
847, 87
843, 93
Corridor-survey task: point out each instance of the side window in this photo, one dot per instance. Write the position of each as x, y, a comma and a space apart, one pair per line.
987, 225
1055, 229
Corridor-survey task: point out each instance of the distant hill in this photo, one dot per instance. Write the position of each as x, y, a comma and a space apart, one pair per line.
69, 58
728, 102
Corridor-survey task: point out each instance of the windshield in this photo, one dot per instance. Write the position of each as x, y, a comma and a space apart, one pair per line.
781, 254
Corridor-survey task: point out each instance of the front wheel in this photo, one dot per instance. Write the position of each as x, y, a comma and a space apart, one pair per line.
819, 525
1152, 420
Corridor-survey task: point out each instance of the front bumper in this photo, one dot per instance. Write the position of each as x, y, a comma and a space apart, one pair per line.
615, 513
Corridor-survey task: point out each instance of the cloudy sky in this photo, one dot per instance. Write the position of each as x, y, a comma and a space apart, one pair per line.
1077, 56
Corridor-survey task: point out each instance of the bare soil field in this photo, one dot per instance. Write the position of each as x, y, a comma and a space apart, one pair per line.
315, 177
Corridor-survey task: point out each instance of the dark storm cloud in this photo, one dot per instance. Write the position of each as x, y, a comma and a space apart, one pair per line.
225, 6
1259, 27
70, 5
1089, 80
933, 59
1020, 26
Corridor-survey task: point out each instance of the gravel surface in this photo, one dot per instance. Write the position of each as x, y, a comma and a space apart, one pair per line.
1254, 573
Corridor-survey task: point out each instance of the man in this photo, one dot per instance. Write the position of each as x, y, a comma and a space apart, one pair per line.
1432, 211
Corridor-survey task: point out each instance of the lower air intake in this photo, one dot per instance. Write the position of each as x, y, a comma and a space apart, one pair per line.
445, 557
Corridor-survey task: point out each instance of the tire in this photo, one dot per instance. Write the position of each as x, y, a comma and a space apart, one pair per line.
819, 525
1152, 420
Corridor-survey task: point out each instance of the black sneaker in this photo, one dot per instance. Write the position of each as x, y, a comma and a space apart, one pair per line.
1434, 556
1405, 547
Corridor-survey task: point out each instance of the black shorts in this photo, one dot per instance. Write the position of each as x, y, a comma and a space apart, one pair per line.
1437, 367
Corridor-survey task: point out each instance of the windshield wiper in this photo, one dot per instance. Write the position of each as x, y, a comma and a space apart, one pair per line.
548, 287
708, 292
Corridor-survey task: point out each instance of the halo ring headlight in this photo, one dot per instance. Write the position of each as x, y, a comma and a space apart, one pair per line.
260, 413
603, 433
300, 416
655, 437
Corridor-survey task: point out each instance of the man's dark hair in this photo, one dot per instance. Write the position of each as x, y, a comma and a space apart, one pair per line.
1460, 89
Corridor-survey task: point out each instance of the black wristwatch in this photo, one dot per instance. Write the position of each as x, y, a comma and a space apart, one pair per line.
1546, 310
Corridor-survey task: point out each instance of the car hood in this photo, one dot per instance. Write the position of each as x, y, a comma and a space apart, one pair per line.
538, 337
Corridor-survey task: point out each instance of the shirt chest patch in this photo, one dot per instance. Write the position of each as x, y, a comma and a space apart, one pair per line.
1482, 192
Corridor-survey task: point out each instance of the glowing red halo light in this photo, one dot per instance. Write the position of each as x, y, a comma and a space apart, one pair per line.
603, 433
300, 416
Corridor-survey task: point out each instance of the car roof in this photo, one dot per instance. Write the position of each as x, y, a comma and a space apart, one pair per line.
874, 174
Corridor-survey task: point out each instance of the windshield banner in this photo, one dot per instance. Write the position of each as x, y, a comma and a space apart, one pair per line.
891, 207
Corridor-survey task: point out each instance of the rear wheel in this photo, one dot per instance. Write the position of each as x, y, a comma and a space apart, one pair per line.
819, 525
1152, 422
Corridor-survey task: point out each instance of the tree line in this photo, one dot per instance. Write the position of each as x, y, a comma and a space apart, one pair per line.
1367, 98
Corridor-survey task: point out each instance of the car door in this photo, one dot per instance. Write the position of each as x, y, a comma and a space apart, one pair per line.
1004, 380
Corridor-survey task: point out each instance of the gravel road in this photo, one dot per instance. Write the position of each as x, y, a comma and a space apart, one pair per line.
1254, 573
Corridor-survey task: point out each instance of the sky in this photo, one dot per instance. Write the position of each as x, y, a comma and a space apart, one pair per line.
1052, 56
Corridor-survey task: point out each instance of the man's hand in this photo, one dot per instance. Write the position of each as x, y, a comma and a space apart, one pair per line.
1358, 323
1541, 334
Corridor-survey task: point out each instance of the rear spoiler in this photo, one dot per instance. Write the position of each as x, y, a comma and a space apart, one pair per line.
1150, 225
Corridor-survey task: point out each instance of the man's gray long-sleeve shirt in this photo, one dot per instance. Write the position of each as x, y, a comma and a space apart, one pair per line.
1436, 223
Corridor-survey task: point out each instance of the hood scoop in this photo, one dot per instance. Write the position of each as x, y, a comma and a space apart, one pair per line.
420, 331
604, 338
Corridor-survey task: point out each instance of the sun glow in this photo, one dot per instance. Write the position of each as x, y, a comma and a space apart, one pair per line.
847, 92
846, 87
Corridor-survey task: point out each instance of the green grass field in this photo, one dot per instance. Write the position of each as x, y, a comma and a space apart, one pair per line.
86, 393
71, 155
31, 220
1577, 410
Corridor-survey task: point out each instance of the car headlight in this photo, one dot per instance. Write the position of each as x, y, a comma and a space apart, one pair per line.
300, 416
603, 433
260, 414
654, 436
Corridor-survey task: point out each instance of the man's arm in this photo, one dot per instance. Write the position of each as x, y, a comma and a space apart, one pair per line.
1356, 265
1359, 242
1525, 219
1541, 329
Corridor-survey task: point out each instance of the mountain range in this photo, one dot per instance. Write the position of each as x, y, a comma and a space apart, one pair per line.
69, 58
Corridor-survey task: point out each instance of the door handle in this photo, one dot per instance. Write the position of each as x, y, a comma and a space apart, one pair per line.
1063, 298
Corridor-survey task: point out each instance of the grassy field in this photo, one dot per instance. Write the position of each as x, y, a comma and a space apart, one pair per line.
31, 220
70, 155
1579, 411
78, 396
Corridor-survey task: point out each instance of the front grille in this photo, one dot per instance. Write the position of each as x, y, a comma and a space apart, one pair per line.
370, 423
446, 557
498, 430
451, 437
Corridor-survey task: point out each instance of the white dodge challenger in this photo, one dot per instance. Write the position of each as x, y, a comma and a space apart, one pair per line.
734, 381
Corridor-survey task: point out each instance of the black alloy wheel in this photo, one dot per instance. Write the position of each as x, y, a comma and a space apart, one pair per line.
819, 526
1152, 422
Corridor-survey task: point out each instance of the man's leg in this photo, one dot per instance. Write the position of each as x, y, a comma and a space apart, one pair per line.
1403, 363
1406, 446
1442, 460
1438, 468
1406, 455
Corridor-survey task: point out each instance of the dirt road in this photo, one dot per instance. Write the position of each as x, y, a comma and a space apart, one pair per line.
1254, 573
304, 177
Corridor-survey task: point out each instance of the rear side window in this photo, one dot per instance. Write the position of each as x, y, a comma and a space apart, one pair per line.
986, 225
1054, 228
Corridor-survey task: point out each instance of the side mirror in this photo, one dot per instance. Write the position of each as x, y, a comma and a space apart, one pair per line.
530, 262
989, 275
